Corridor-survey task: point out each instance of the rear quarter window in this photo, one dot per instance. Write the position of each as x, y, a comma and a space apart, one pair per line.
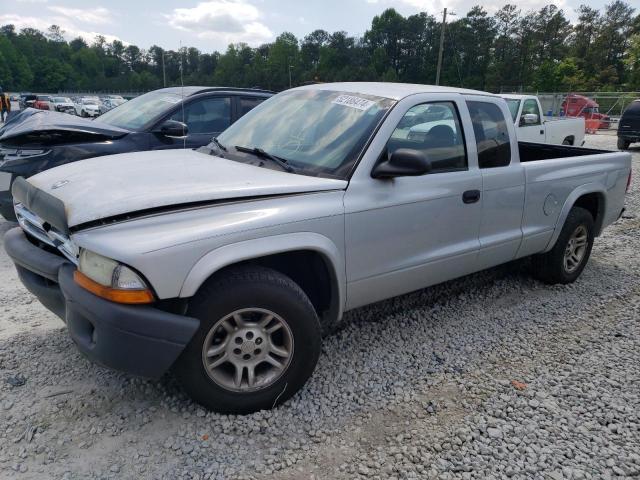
633, 110
249, 103
491, 133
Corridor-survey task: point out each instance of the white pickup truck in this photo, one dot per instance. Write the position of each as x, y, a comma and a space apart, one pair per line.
225, 264
532, 126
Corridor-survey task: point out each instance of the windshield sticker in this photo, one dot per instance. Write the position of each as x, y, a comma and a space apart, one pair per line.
354, 102
171, 99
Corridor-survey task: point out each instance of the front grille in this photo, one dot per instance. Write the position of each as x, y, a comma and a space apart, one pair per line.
39, 229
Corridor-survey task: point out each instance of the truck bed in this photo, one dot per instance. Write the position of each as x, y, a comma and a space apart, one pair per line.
530, 152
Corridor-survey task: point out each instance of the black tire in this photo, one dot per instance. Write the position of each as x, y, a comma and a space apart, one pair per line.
250, 287
623, 144
567, 141
549, 267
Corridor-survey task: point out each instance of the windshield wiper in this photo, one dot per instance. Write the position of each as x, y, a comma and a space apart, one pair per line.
218, 144
258, 152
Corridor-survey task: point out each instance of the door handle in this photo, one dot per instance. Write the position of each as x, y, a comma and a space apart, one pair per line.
471, 196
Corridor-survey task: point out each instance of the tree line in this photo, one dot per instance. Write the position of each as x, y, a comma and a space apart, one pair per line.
511, 49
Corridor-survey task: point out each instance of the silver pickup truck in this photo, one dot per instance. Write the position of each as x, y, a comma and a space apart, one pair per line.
225, 264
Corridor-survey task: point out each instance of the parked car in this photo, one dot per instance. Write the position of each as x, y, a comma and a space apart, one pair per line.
14, 98
110, 103
629, 126
63, 104
88, 107
26, 100
36, 140
580, 106
223, 264
531, 126
43, 102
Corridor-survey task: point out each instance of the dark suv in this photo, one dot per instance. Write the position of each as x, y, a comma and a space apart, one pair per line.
629, 126
180, 117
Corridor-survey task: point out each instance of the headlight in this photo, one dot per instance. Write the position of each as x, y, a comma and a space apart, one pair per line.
110, 279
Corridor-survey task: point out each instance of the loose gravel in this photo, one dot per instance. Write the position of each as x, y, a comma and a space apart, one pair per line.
491, 376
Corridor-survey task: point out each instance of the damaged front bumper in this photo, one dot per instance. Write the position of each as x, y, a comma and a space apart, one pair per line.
138, 339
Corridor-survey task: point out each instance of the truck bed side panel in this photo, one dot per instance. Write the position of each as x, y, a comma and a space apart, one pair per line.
553, 186
559, 128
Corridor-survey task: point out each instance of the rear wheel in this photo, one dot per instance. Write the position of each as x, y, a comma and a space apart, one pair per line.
258, 342
623, 144
567, 141
568, 257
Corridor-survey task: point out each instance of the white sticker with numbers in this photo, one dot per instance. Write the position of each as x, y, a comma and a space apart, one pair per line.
354, 102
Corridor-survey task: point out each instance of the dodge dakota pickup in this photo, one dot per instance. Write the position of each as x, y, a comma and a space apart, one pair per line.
224, 264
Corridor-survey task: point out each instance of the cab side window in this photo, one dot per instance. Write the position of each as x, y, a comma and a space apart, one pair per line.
249, 103
492, 135
530, 106
433, 128
206, 115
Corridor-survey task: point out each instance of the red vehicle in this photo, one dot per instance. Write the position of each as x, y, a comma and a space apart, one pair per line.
43, 102
580, 106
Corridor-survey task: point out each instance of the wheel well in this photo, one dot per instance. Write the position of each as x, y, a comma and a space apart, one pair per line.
311, 271
594, 203
571, 139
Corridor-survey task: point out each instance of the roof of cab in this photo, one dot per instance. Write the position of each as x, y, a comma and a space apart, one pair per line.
395, 91
194, 90
514, 96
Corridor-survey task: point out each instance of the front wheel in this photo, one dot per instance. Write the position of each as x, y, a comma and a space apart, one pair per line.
623, 144
568, 257
258, 342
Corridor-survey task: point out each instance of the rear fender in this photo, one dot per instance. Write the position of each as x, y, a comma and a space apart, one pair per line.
568, 205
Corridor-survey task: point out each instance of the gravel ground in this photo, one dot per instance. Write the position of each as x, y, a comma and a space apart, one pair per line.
491, 376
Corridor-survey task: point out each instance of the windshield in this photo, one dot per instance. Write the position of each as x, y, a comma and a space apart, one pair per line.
513, 105
318, 132
89, 102
141, 110
61, 100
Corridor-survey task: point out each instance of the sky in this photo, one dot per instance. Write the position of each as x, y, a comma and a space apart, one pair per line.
212, 25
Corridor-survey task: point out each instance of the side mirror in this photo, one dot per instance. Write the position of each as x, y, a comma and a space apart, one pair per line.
404, 162
530, 119
173, 128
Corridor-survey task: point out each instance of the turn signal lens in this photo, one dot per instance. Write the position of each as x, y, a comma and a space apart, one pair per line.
113, 294
110, 279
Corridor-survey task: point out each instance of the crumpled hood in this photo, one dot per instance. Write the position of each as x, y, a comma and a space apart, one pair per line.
109, 186
33, 123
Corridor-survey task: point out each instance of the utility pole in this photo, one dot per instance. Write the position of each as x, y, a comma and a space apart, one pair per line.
290, 75
164, 72
444, 22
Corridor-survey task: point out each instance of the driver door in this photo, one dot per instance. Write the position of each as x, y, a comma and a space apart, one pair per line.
407, 233
205, 118
532, 132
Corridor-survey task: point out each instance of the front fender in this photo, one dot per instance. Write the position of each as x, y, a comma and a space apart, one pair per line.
260, 247
568, 205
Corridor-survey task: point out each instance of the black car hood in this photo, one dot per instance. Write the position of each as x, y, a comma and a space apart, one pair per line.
45, 126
